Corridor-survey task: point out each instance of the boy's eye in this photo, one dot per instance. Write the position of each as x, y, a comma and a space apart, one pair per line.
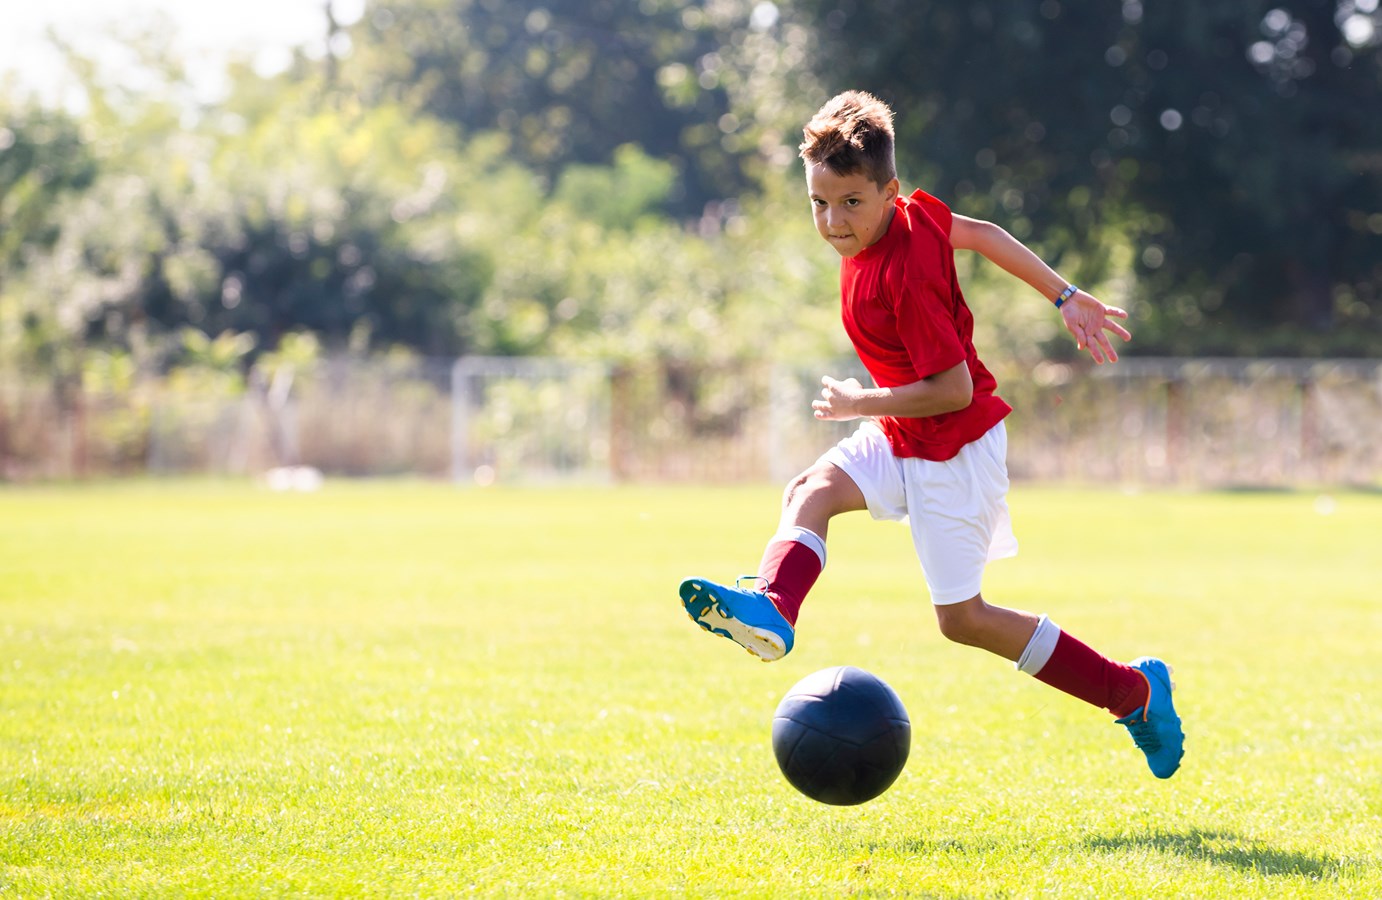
852, 201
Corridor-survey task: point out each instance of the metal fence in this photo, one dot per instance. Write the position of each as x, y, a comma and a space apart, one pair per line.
1214, 422
1267, 423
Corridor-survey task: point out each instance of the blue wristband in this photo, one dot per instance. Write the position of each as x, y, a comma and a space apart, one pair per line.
1065, 295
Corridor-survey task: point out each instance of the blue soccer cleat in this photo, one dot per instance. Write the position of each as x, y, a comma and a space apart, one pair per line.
1155, 728
749, 618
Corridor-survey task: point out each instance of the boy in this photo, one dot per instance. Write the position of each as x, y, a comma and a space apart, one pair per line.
933, 445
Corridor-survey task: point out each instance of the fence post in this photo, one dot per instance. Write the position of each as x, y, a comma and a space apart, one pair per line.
79, 437
4, 435
620, 410
1175, 426
1311, 464
460, 420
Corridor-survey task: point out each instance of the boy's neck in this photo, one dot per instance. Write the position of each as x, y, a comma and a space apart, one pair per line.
887, 223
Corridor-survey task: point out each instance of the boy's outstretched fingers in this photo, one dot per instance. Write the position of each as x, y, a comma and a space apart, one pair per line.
1087, 319
1100, 342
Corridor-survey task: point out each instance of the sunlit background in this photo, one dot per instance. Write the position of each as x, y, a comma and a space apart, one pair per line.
208, 35
499, 241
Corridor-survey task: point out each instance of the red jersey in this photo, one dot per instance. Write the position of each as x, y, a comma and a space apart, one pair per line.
905, 315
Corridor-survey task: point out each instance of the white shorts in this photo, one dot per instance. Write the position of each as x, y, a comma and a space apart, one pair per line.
958, 508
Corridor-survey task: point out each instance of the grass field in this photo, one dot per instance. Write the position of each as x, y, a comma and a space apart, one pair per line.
403, 689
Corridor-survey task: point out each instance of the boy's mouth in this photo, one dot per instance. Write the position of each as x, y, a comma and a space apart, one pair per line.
843, 244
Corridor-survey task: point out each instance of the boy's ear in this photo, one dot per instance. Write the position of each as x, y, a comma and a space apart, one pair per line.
891, 190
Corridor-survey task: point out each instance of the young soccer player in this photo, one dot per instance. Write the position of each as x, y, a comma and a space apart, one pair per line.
932, 447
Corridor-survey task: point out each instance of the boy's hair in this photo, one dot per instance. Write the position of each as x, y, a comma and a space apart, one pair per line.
852, 133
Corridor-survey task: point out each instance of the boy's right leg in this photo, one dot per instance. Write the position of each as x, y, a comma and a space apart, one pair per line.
747, 617
763, 620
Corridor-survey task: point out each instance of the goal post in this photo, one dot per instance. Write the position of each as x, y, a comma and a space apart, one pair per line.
529, 418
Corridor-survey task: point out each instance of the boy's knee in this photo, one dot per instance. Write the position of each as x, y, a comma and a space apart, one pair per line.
809, 483
819, 494
962, 623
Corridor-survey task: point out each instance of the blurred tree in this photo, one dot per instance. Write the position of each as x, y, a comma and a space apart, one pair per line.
1235, 145
717, 292
1256, 134
616, 196
272, 214
999, 106
569, 81
43, 158
619, 177
341, 222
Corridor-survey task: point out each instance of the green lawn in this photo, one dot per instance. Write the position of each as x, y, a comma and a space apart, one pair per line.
404, 689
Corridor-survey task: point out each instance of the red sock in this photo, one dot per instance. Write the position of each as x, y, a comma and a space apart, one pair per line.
790, 568
1082, 672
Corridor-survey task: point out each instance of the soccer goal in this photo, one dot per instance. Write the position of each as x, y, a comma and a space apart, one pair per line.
534, 418
543, 419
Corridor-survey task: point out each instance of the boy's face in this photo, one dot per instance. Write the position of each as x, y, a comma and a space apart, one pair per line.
851, 211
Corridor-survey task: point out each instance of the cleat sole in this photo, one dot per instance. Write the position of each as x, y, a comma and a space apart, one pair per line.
703, 607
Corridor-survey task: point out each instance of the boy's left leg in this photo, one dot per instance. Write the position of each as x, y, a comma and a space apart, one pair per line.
1138, 693
1041, 649
960, 523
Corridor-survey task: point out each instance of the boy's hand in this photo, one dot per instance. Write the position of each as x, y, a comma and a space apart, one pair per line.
1087, 319
839, 399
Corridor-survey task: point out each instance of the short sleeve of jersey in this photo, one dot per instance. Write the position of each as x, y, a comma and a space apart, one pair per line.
926, 324
935, 210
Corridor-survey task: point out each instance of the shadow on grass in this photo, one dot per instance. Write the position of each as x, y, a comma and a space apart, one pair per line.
1220, 848
1228, 849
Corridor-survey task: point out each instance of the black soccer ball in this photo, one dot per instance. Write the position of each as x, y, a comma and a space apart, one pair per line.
841, 736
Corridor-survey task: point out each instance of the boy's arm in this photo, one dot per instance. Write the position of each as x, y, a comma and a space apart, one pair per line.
1086, 318
943, 392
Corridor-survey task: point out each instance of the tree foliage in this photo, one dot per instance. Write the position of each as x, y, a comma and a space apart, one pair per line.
618, 178
567, 81
42, 158
1235, 145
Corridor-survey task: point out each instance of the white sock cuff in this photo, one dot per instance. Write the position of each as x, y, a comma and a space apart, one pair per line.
802, 536
1039, 649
